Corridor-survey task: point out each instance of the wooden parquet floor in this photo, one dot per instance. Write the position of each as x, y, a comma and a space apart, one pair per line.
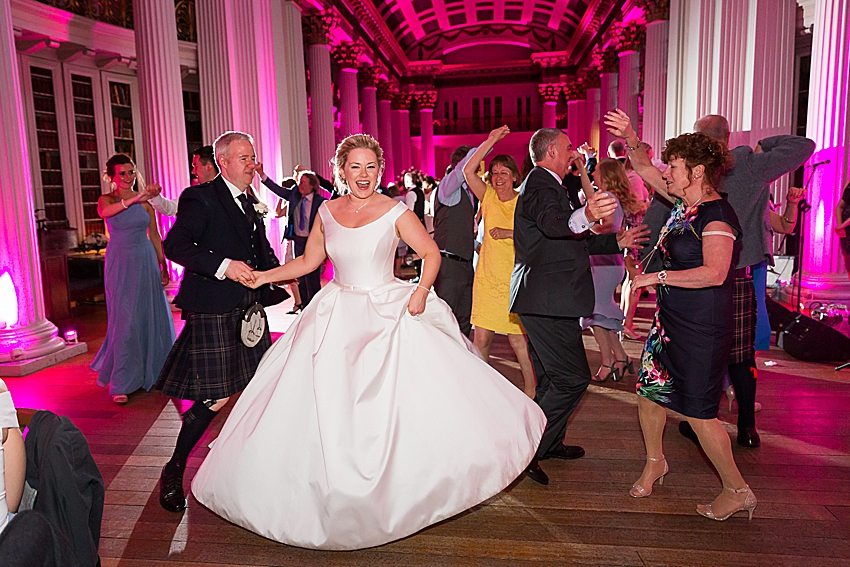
801, 476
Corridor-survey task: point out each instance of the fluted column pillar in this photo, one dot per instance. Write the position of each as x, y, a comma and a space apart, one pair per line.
655, 73
385, 129
294, 129
163, 125
368, 77
25, 331
629, 40
214, 73
549, 94
591, 106
576, 112
401, 130
824, 274
316, 28
608, 64
427, 100
346, 56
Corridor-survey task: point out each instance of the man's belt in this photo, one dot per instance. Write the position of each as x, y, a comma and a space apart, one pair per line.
741, 273
454, 257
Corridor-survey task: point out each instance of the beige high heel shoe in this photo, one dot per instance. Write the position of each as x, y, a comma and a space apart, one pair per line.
637, 491
749, 505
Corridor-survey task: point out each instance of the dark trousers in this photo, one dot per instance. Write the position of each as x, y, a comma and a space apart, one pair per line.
308, 284
560, 363
743, 376
454, 286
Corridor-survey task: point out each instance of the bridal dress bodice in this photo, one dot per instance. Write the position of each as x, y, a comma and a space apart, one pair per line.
363, 423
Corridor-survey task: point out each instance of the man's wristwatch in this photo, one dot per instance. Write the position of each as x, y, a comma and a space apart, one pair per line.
662, 277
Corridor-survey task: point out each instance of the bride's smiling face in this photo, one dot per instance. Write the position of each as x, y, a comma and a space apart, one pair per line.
361, 172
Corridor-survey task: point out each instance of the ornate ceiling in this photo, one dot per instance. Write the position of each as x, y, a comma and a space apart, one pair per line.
478, 33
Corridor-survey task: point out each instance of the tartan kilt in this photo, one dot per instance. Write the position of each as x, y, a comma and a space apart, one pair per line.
745, 308
208, 361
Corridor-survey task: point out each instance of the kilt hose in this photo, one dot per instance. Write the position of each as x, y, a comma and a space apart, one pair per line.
744, 307
208, 361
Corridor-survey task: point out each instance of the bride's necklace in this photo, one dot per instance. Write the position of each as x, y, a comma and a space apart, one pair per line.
368, 200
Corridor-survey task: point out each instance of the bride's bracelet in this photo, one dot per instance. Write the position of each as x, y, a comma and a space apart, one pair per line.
423, 287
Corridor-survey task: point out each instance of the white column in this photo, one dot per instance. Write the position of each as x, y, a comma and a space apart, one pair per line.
291, 85
550, 117
24, 330
349, 101
607, 103
321, 109
385, 137
426, 126
213, 69
404, 135
828, 124
398, 153
549, 94
160, 85
576, 121
655, 84
628, 83
369, 110
592, 119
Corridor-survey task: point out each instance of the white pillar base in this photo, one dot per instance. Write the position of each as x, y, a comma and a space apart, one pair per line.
18, 368
32, 341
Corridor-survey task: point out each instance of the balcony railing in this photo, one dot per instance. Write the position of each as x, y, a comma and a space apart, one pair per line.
120, 13
482, 125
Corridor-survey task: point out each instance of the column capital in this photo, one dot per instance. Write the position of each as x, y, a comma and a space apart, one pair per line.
550, 92
347, 55
589, 77
655, 9
605, 61
317, 27
575, 90
426, 100
368, 76
401, 100
386, 90
630, 36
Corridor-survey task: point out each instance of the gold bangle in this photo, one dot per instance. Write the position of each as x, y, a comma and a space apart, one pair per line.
124, 204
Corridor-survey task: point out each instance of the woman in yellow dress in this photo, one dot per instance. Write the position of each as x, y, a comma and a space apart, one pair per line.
491, 289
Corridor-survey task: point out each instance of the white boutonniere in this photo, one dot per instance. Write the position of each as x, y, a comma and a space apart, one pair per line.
261, 209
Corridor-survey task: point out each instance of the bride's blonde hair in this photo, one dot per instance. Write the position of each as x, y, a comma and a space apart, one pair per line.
344, 148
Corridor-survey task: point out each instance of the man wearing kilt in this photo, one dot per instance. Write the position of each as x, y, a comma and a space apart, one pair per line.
219, 238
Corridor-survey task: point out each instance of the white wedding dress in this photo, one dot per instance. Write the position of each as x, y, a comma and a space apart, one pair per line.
364, 424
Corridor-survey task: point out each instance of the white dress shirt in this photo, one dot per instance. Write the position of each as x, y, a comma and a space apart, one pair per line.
235, 192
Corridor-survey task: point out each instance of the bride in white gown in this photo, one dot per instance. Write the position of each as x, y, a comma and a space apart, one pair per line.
370, 419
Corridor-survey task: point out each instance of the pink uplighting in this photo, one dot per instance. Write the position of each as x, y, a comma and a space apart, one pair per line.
8, 301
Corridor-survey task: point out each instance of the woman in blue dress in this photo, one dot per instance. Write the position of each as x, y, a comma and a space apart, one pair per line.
139, 331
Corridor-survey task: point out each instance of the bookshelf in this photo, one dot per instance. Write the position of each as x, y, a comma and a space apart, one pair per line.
87, 155
192, 118
122, 119
49, 158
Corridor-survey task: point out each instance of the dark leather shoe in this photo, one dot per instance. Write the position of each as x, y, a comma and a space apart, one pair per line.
687, 431
748, 437
562, 451
171, 496
535, 473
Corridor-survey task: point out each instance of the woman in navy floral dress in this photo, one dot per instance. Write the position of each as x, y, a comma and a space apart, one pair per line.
687, 347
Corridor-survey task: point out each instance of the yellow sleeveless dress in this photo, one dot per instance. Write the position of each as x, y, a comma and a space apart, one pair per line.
491, 290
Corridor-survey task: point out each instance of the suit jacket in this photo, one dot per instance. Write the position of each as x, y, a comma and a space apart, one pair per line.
552, 269
210, 227
290, 192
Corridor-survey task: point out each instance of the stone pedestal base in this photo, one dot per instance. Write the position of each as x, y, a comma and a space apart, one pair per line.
30, 365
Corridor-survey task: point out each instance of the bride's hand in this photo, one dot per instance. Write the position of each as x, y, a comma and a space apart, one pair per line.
257, 279
416, 305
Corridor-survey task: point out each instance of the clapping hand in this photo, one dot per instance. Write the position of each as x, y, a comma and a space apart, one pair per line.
500, 133
599, 206
619, 124
586, 149
635, 237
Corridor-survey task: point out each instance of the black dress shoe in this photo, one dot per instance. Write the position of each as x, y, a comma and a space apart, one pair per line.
535, 473
748, 437
687, 431
562, 451
171, 496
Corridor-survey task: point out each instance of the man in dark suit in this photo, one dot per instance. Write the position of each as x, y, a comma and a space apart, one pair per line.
219, 238
302, 193
551, 285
